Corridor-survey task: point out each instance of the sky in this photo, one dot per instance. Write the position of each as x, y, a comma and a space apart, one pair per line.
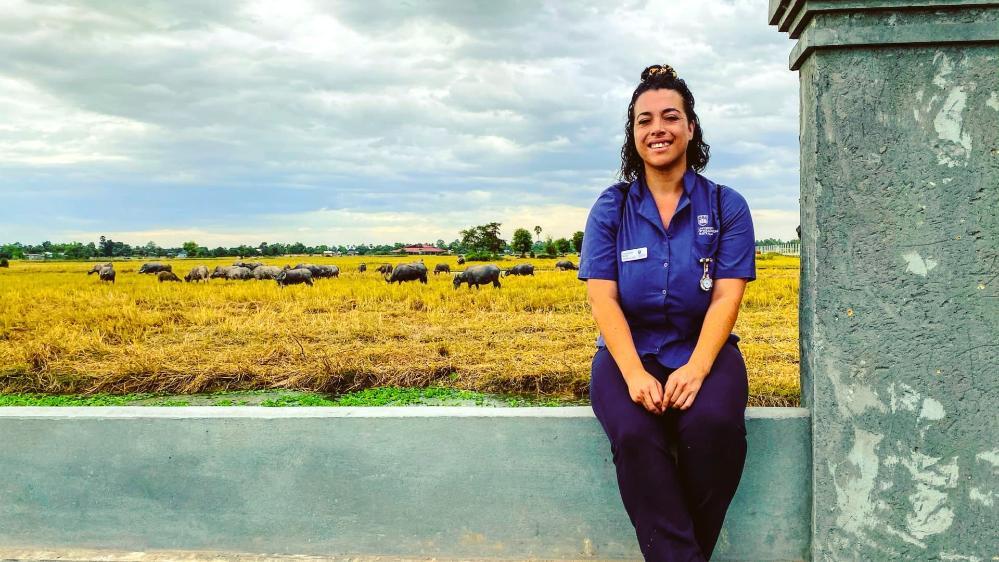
375, 121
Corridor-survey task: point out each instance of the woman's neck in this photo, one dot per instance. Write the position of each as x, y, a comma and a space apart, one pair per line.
667, 182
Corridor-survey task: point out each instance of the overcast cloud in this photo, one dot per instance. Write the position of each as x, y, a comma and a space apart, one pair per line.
368, 121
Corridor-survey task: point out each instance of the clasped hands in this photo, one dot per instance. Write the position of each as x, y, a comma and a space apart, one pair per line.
679, 392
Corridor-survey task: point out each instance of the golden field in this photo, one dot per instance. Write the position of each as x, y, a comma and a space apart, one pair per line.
62, 331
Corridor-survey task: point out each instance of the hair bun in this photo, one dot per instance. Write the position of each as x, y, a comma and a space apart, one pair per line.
656, 70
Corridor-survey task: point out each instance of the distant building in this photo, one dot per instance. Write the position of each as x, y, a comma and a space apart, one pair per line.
182, 254
421, 249
34, 257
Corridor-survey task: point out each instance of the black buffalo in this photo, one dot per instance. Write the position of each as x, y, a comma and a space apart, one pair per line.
155, 267
199, 273
384, 268
407, 272
521, 269
167, 276
478, 275
104, 271
362, 268
320, 271
4, 262
565, 265
294, 277
461, 260
442, 268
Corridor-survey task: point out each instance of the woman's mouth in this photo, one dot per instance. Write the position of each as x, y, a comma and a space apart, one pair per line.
659, 145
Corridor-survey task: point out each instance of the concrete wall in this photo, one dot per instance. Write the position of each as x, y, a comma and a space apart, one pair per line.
900, 273
410, 481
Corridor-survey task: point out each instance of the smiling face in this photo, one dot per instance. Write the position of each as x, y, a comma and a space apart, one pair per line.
662, 129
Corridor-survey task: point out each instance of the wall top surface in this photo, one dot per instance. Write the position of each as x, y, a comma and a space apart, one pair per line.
339, 412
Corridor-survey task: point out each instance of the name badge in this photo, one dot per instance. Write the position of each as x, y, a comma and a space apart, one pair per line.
636, 254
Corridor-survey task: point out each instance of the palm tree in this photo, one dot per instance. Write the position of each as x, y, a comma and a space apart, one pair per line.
537, 232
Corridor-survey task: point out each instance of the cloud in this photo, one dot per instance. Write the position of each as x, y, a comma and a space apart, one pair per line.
163, 116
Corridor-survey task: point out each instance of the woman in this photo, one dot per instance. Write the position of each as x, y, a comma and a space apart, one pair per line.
667, 254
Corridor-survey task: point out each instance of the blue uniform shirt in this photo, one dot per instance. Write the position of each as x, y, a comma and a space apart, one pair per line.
660, 292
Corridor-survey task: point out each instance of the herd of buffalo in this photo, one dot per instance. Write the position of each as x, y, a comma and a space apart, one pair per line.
475, 275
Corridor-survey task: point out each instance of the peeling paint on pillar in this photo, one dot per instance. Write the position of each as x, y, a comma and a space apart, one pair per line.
900, 274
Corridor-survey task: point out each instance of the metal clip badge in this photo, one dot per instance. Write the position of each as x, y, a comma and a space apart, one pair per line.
705, 280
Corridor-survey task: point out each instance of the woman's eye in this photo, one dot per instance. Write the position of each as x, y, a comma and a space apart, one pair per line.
643, 122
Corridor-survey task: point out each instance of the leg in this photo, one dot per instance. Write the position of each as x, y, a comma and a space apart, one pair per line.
711, 447
646, 472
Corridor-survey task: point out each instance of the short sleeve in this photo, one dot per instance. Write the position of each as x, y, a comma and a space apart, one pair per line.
736, 258
598, 256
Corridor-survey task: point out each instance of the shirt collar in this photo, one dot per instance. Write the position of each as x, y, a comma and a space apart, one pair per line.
647, 204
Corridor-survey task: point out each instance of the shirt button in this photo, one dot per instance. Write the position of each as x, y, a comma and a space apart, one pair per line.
665, 291
665, 264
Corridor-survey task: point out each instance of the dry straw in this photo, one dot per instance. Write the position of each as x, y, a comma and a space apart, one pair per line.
64, 332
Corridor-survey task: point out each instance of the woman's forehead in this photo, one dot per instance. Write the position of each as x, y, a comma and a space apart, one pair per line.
657, 101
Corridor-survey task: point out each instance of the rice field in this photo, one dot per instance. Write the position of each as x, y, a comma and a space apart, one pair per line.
62, 331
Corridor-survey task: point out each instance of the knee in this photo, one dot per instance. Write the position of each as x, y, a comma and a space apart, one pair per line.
637, 440
714, 424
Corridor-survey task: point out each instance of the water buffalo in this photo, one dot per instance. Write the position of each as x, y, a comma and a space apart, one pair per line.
251, 265
362, 268
442, 268
407, 272
294, 277
565, 265
199, 273
461, 260
105, 271
384, 268
266, 272
320, 271
155, 267
231, 272
520, 269
97, 267
167, 276
478, 275
4, 262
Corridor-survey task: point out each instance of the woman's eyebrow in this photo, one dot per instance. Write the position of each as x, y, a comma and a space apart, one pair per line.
667, 110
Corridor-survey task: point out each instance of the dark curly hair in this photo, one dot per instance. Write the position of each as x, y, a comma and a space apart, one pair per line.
662, 77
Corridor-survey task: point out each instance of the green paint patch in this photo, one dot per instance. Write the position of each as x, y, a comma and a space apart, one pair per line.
379, 396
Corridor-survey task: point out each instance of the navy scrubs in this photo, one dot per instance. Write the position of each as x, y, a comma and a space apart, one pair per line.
677, 505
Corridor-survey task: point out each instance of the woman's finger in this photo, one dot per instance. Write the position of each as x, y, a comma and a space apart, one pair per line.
689, 401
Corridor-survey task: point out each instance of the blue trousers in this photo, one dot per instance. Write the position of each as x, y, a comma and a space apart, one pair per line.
677, 505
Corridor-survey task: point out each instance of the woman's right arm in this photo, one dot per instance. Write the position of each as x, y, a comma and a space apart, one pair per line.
643, 388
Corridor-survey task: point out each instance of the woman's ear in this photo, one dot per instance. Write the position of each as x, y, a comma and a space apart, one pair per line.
691, 125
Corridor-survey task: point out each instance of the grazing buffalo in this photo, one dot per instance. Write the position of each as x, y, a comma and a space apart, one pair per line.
97, 267
4, 262
199, 273
105, 271
231, 272
478, 275
520, 269
461, 260
251, 265
294, 277
155, 267
362, 268
442, 268
407, 272
266, 272
384, 268
167, 276
565, 265
320, 271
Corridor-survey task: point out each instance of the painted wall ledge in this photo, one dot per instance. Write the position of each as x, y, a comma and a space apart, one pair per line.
418, 481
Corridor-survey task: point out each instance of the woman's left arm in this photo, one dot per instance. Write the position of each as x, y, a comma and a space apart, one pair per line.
683, 384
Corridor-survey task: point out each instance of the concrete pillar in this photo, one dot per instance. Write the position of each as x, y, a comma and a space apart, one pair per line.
900, 273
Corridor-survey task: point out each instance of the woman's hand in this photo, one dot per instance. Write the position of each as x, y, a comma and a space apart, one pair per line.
682, 386
646, 391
